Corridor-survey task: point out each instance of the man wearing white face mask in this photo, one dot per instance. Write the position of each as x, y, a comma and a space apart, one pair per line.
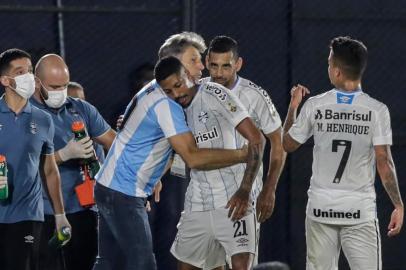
27, 143
51, 96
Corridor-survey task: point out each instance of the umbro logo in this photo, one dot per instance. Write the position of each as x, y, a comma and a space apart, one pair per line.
242, 240
29, 239
1, 126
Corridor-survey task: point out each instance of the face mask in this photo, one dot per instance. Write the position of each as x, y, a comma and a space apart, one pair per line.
56, 98
25, 85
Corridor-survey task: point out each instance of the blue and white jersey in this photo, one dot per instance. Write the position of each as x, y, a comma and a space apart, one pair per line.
141, 150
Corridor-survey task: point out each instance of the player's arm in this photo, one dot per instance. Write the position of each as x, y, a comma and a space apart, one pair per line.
204, 159
266, 199
52, 182
238, 203
297, 94
50, 175
106, 139
387, 173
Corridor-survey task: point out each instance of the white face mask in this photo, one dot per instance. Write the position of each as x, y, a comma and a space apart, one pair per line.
56, 98
25, 85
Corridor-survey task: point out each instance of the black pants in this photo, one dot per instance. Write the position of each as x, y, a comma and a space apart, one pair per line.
80, 252
19, 245
164, 217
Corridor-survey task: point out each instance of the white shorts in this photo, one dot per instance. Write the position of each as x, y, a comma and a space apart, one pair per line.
205, 238
361, 245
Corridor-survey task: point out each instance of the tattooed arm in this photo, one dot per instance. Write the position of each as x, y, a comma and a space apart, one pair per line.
387, 173
238, 203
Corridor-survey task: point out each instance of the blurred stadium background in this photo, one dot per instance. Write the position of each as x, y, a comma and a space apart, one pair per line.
282, 42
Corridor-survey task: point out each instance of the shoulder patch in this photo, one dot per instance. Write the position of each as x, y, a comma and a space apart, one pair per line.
217, 91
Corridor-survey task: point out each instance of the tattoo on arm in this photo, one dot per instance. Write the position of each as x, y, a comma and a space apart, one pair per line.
255, 152
290, 119
387, 172
390, 183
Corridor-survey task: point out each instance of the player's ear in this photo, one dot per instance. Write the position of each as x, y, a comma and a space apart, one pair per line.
4, 81
207, 61
238, 64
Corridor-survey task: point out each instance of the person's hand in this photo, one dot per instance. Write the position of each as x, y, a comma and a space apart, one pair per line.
148, 206
297, 93
77, 149
238, 204
396, 221
265, 205
119, 121
3, 181
60, 222
157, 191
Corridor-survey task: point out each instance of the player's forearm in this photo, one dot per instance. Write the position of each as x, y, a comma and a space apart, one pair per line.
58, 159
254, 160
290, 119
210, 159
276, 164
387, 172
54, 190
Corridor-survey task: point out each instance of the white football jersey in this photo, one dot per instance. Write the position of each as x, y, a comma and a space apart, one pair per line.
346, 126
212, 116
261, 110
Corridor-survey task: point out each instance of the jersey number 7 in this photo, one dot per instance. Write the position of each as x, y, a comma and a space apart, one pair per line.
344, 159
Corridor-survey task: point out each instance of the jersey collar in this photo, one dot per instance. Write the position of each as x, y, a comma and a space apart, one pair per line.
357, 91
4, 107
45, 107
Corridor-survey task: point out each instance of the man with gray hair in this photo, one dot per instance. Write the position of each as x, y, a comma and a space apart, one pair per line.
187, 47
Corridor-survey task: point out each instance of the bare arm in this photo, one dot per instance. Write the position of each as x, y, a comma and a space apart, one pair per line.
106, 139
266, 198
297, 93
52, 181
387, 173
256, 144
238, 204
201, 158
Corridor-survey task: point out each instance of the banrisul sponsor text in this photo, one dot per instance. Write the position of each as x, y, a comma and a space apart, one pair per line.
329, 120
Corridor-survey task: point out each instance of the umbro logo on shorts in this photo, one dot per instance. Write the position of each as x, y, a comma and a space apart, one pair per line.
29, 239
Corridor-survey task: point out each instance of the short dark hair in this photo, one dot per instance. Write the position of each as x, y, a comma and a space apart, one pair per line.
10, 55
75, 85
224, 44
350, 55
166, 67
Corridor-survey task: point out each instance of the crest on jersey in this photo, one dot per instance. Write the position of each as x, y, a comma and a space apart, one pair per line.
1, 126
232, 107
203, 116
33, 128
344, 99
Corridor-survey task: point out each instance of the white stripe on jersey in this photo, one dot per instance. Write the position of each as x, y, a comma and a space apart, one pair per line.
140, 152
261, 110
213, 115
346, 126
